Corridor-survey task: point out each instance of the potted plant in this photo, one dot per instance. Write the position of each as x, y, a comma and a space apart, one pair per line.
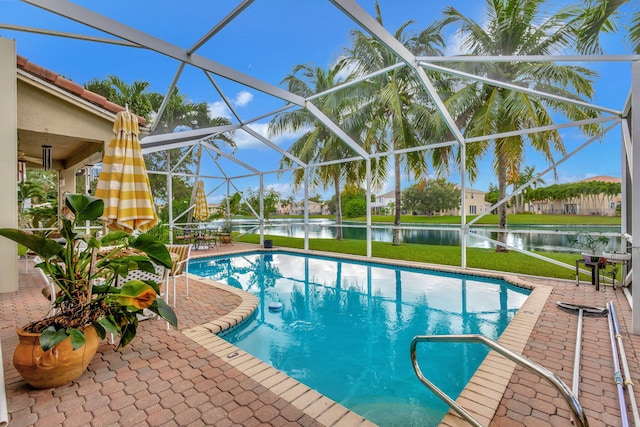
594, 245
87, 304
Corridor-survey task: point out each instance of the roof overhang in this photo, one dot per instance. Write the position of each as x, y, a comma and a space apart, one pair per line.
48, 115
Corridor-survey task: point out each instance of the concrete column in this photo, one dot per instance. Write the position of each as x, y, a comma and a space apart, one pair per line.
634, 120
66, 184
68, 181
261, 209
8, 163
306, 208
368, 196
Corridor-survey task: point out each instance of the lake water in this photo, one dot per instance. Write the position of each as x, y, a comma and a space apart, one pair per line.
541, 238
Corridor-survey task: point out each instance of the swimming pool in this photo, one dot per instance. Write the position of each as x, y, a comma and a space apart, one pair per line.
345, 327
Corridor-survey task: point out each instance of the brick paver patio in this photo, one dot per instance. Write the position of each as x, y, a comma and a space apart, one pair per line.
173, 379
530, 401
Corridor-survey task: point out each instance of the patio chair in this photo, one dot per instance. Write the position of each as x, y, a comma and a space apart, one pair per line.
210, 239
180, 266
183, 236
160, 276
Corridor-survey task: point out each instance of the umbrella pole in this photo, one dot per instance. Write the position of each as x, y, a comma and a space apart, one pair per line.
616, 373
625, 366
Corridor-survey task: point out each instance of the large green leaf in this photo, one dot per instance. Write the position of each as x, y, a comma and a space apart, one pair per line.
85, 208
128, 333
50, 337
100, 330
136, 295
67, 230
155, 249
109, 325
134, 288
141, 263
167, 313
37, 243
122, 266
113, 236
77, 338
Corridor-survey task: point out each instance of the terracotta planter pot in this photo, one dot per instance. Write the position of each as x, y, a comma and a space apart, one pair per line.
57, 366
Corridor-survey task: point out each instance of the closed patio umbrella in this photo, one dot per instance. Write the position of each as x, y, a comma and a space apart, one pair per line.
123, 183
201, 209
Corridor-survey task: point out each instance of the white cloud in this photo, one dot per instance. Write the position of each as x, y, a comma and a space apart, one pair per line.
454, 44
219, 109
284, 189
345, 72
243, 98
244, 140
216, 198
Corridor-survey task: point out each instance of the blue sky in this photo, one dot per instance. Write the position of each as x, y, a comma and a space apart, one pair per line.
267, 41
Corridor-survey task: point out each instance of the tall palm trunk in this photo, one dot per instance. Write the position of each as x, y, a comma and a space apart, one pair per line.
502, 209
336, 186
397, 195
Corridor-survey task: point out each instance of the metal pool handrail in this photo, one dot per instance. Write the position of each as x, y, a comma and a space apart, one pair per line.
578, 415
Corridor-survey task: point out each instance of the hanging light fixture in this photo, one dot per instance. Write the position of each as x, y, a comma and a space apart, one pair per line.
22, 171
47, 161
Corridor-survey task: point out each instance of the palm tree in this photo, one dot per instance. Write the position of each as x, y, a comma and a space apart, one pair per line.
28, 190
516, 27
600, 16
317, 144
119, 92
180, 112
525, 176
391, 115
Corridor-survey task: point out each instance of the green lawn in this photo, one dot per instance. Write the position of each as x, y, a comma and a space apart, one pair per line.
488, 259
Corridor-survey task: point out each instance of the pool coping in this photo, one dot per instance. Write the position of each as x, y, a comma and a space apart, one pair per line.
480, 397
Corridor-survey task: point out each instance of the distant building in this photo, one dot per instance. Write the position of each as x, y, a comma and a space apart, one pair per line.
283, 209
383, 205
475, 203
213, 208
315, 208
594, 204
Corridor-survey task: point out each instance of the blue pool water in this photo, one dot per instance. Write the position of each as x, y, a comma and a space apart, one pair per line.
345, 327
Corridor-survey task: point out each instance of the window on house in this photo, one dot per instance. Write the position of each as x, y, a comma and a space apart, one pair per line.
472, 210
612, 205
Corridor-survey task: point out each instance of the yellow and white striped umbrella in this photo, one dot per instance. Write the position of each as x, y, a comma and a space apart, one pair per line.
201, 209
123, 183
